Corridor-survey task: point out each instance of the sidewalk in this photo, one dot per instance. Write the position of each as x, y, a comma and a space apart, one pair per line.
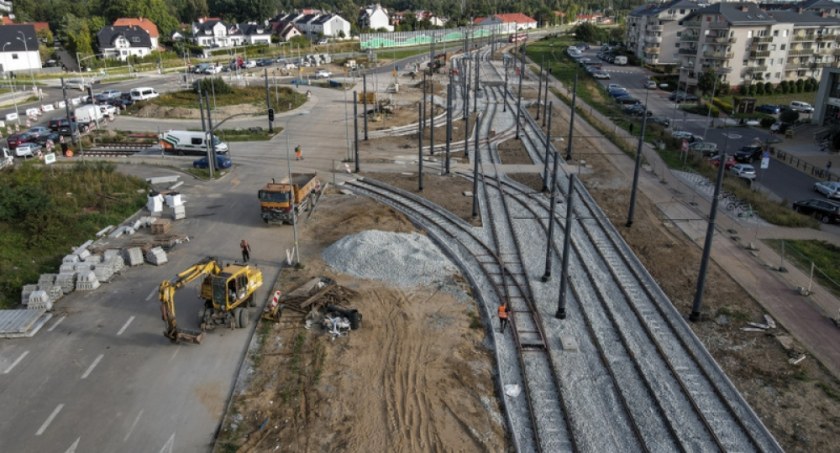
803, 153
806, 318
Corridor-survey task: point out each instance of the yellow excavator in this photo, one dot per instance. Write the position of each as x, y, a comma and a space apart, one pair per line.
226, 291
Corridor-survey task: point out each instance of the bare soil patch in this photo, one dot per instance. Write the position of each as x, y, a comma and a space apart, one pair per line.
415, 377
158, 111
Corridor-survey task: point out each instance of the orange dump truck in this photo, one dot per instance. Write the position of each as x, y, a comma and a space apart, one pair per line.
278, 198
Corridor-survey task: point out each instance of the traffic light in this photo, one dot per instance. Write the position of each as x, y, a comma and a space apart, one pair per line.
271, 114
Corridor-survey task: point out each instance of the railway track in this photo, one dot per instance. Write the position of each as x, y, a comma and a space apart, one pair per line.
638, 379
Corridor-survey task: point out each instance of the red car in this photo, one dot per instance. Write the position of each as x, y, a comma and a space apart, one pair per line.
715, 161
16, 139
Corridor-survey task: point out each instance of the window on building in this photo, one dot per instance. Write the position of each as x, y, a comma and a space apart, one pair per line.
775, 32
14, 56
772, 47
749, 34
783, 47
778, 75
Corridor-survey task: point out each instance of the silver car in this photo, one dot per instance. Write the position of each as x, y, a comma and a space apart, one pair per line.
831, 189
745, 171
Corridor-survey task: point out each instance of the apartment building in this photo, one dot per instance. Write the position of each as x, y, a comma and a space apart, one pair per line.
653, 31
744, 44
827, 108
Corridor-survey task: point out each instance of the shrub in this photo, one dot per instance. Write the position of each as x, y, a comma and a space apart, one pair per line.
767, 121
215, 85
789, 116
722, 104
759, 89
784, 87
800, 85
768, 87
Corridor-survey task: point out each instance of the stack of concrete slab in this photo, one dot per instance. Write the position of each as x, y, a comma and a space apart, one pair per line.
22, 323
155, 203
156, 256
122, 230
93, 259
82, 267
66, 267
67, 281
46, 280
54, 292
113, 258
82, 251
70, 259
39, 300
134, 256
86, 281
27, 291
103, 272
179, 212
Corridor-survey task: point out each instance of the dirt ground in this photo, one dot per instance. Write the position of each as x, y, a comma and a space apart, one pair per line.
405, 383
416, 376
157, 111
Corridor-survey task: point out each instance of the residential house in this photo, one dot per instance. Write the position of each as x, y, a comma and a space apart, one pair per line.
289, 32
375, 17
331, 25
432, 18
121, 42
819, 7
744, 44
653, 31
509, 22
143, 23
217, 33
6, 6
19, 48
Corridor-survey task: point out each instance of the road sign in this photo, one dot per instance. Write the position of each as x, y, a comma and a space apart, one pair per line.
765, 162
49, 158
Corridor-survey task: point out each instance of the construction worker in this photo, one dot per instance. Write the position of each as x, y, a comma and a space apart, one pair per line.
504, 310
298, 153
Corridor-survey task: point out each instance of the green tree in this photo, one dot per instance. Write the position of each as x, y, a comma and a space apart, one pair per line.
45, 43
789, 116
77, 37
706, 82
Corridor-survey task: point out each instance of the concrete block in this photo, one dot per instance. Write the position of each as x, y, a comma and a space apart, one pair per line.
82, 253
67, 281
103, 272
93, 259
134, 256
179, 212
66, 267
46, 279
39, 299
110, 253
70, 259
82, 267
156, 256
86, 281
27, 291
174, 200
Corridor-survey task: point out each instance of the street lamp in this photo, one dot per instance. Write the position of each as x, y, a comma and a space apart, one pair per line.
28, 62
12, 80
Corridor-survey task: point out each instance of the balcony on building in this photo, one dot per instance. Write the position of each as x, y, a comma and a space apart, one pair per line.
754, 69
688, 37
720, 40
804, 37
652, 60
759, 54
762, 39
652, 50
800, 52
655, 28
653, 39
717, 25
718, 55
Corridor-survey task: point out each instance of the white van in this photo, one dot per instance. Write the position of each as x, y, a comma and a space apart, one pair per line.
143, 93
620, 60
800, 106
189, 142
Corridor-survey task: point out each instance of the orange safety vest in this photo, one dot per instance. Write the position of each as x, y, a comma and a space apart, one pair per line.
503, 311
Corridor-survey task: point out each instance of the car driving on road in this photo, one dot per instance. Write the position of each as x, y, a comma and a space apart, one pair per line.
749, 153
770, 109
323, 74
221, 162
745, 171
831, 189
823, 210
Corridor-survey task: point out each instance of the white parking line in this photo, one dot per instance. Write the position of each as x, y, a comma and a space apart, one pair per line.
56, 324
49, 420
167, 447
92, 366
133, 425
151, 294
73, 447
125, 326
14, 364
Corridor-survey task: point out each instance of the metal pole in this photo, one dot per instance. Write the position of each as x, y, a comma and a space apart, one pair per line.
201, 108
292, 199
547, 148
267, 98
709, 113
364, 103
212, 165
545, 95
476, 87
475, 170
356, 129
420, 146
707, 246
547, 275
349, 150
468, 65
70, 123
432, 114
567, 249
449, 91
539, 88
519, 98
505, 65
572, 119
635, 187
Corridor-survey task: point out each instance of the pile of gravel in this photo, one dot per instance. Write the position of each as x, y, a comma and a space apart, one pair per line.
402, 259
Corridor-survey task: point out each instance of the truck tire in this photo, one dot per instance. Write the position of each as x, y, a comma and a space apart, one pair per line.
242, 318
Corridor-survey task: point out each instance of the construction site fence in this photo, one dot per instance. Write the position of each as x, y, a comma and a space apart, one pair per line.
426, 37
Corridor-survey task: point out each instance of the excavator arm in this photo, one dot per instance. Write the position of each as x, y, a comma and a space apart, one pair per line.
167, 291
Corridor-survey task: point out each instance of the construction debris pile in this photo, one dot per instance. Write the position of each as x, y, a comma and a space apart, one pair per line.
320, 301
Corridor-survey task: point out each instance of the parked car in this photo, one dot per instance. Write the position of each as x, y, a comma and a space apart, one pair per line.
663, 120
614, 86
745, 171
825, 211
18, 139
802, 107
110, 94
249, 64
323, 74
28, 149
601, 75
119, 103
265, 62
323, 41
636, 110
715, 162
627, 100
752, 122
212, 69
749, 153
831, 189
64, 127
704, 148
680, 96
221, 162
650, 84
44, 138
108, 110
770, 109
37, 131
683, 135
616, 92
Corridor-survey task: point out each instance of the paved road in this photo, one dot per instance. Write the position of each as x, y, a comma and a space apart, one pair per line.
101, 376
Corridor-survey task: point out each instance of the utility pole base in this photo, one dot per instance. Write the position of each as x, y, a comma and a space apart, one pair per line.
561, 314
694, 316
546, 277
